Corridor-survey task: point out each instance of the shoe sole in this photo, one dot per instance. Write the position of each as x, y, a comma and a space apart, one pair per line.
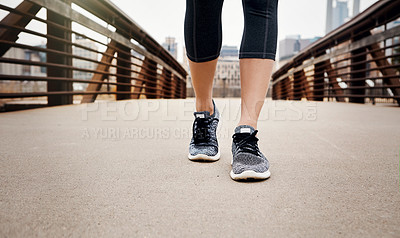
202, 157
250, 174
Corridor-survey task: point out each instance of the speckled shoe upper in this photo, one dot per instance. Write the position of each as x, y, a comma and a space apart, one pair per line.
245, 151
204, 139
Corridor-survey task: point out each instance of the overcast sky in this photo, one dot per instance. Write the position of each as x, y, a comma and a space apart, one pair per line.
161, 18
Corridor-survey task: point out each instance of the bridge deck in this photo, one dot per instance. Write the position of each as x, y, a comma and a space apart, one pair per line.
102, 170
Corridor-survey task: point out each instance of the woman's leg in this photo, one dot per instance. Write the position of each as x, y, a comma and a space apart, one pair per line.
202, 80
257, 55
255, 75
203, 39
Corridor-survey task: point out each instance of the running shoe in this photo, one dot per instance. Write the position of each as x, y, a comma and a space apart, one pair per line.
248, 162
204, 144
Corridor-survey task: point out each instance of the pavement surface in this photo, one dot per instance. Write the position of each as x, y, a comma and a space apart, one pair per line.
120, 169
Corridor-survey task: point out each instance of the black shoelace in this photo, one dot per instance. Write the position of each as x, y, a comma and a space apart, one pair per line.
201, 130
246, 142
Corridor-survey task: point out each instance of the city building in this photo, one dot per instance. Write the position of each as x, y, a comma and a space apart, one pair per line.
340, 14
356, 7
337, 13
80, 63
185, 60
227, 74
292, 45
229, 51
329, 15
171, 46
27, 70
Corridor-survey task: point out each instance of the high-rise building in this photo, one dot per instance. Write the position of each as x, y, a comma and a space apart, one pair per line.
329, 11
356, 7
171, 46
336, 13
340, 13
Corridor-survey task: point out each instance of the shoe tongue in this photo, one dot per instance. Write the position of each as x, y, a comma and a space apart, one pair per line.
244, 129
203, 114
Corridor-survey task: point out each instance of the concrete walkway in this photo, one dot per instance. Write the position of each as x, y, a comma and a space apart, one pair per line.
120, 170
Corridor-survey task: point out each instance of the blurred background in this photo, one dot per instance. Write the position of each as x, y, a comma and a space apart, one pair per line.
25, 81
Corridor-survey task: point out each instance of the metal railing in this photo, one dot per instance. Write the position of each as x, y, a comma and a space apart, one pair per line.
88, 43
358, 62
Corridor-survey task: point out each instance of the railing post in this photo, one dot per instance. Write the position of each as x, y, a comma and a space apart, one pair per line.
53, 44
151, 83
184, 88
290, 87
163, 82
358, 74
174, 85
160, 83
298, 84
123, 71
95, 87
306, 87
337, 90
148, 73
167, 84
275, 91
318, 84
380, 59
285, 83
179, 87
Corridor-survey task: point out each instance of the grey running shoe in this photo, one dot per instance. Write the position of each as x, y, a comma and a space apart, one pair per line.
248, 162
204, 144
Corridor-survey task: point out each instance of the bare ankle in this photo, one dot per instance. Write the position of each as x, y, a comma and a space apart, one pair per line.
205, 106
248, 123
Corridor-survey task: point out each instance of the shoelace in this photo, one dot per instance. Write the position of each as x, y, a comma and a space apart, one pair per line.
246, 142
201, 130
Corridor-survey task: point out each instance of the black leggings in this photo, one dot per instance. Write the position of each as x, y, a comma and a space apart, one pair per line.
203, 30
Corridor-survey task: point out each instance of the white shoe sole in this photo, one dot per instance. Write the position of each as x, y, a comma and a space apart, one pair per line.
250, 174
202, 157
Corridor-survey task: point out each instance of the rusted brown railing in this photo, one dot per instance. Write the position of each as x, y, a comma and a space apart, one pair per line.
126, 62
358, 62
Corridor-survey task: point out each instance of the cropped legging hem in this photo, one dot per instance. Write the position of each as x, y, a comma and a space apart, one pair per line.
203, 29
256, 55
201, 60
247, 55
